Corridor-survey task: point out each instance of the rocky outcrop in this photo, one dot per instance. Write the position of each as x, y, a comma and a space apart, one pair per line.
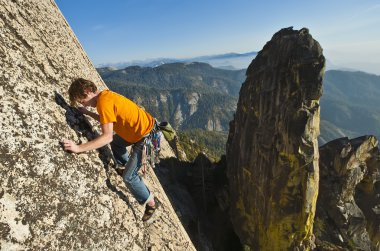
272, 152
348, 214
50, 199
214, 125
193, 102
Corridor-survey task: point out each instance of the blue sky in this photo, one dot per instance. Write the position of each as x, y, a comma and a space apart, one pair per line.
125, 30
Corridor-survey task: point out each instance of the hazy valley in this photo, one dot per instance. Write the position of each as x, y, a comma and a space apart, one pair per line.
200, 100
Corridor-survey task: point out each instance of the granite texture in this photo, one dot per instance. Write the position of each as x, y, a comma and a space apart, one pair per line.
348, 215
51, 199
272, 149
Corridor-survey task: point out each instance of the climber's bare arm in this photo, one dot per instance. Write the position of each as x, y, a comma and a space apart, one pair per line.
100, 141
89, 113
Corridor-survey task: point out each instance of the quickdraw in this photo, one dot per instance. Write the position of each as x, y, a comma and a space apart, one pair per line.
151, 149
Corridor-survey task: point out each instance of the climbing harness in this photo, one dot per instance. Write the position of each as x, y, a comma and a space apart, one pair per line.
151, 149
152, 142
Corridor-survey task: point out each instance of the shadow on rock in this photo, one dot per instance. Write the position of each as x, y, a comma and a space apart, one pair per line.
199, 193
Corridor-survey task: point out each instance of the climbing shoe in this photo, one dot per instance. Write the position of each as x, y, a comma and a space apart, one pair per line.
149, 210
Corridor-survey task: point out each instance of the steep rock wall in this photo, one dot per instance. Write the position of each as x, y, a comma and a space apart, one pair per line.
272, 152
50, 199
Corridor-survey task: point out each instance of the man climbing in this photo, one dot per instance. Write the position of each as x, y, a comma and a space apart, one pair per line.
131, 125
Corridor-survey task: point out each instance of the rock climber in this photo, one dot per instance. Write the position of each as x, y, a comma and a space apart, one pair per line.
131, 125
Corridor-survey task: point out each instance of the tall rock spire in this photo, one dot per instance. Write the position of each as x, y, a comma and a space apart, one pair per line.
51, 199
272, 151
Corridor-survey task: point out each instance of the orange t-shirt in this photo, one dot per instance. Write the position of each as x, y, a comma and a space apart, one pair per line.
129, 121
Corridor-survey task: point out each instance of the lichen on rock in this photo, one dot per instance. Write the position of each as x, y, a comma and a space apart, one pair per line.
272, 151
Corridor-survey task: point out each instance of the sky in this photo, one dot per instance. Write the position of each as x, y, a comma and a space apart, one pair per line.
114, 31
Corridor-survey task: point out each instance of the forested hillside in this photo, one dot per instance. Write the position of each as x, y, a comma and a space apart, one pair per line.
199, 100
196, 98
200, 77
350, 105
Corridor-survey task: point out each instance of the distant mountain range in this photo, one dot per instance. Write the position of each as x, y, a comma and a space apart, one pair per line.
196, 98
197, 95
350, 105
188, 95
372, 68
236, 61
230, 61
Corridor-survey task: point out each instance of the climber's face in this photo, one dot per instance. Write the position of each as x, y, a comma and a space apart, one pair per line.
89, 100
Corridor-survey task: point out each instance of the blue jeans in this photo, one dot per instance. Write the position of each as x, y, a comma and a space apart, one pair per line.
132, 165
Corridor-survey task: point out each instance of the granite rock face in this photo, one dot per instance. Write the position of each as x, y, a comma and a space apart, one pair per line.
272, 151
51, 199
348, 215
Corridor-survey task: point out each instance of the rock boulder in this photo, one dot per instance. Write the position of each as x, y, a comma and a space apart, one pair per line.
348, 214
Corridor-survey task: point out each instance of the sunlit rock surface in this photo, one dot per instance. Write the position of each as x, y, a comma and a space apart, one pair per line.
50, 199
272, 151
348, 208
